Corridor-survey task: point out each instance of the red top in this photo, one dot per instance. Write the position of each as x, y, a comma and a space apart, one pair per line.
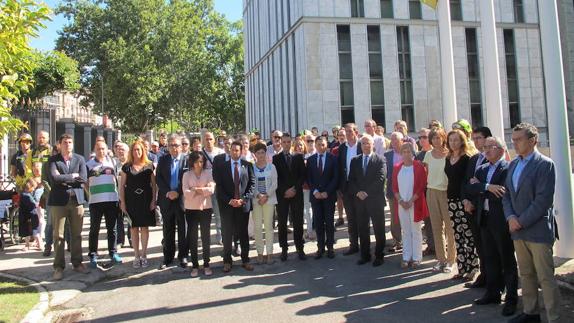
419, 186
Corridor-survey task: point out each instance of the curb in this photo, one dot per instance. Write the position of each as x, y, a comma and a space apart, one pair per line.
565, 285
37, 313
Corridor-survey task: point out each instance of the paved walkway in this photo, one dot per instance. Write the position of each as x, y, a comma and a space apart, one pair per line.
319, 290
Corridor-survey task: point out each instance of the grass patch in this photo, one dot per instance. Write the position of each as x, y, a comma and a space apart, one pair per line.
16, 300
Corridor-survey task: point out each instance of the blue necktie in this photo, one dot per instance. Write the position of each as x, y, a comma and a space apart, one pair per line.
365, 162
174, 171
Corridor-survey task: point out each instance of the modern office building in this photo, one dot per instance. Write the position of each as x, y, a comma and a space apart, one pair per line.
327, 62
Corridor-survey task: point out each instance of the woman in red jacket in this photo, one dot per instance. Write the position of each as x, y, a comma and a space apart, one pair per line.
409, 182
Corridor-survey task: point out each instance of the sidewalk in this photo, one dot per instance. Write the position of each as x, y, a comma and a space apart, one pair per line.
33, 266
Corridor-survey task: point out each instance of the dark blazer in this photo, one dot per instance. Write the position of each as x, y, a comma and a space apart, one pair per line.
478, 192
328, 181
217, 161
470, 173
532, 203
60, 177
372, 182
224, 186
289, 176
342, 159
390, 166
163, 177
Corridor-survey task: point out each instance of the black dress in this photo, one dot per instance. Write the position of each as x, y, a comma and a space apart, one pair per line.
138, 194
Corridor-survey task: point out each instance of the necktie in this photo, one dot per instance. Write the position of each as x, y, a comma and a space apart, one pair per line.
174, 173
365, 162
288, 159
236, 181
320, 165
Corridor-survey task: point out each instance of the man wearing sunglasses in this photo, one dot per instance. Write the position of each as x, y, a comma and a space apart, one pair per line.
275, 147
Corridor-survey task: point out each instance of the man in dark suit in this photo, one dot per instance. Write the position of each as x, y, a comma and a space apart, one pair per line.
487, 188
322, 177
528, 208
367, 184
290, 177
67, 175
392, 158
479, 136
234, 188
347, 151
170, 169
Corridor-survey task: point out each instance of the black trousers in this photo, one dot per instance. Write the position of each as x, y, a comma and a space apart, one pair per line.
295, 205
108, 210
203, 219
475, 228
353, 230
365, 215
500, 263
324, 222
173, 216
234, 223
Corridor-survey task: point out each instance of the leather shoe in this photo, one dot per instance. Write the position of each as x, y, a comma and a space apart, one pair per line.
247, 266
226, 268
302, 255
283, 255
319, 254
378, 262
330, 254
47, 252
82, 269
339, 222
362, 261
525, 318
509, 308
487, 299
351, 251
183, 263
58, 274
235, 252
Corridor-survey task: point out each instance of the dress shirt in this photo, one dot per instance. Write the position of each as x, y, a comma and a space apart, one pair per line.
519, 168
491, 169
351, 152
479, 161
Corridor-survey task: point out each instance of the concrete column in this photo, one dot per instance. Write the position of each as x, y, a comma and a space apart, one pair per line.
4, 158
87, 140
447, 64
557, 125
492, 85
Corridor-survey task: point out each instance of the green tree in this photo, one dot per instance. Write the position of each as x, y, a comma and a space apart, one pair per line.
54, 71
19, 20
153, 61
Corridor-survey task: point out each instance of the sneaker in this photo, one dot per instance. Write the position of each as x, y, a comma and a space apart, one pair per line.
136, 263
116, 258
144, 262
438, 267
94, 262
447, 268
194, 272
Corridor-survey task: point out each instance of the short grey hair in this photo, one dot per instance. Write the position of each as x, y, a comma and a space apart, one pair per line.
499, 142
397, 134
368, 137
409, 146
174, 137
530, 129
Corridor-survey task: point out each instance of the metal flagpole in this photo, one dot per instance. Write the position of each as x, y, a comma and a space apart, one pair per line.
447, 64
493, 100
557, 125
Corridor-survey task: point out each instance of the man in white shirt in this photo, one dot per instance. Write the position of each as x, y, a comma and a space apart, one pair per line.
379, 142
209, 151
275, 147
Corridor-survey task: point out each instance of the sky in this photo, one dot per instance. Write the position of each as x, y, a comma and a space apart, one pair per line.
47, 37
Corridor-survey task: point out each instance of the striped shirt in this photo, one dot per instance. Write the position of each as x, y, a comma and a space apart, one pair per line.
102, 181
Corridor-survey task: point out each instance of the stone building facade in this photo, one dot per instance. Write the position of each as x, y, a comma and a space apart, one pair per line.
326, 62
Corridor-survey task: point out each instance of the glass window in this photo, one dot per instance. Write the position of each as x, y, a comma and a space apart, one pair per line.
387, 9
377, 93
345, 66
378, 114
375, 66
415, 9
455, 10
406, 86
357, 8
347, 93
476, 115
347, 116
374, 38
474, 90
344, 38
514, 110
518, 11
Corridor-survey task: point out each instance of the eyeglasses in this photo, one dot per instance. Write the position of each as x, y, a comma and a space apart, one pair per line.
423, 137
276, 137
310, 141
174, 145
185, 143
489, 147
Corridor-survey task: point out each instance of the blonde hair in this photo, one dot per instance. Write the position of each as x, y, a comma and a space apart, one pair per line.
139, 142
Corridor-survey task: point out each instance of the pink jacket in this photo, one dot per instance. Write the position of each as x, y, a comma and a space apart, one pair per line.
197, 191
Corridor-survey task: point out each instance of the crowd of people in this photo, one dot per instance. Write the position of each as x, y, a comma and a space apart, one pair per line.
457, 190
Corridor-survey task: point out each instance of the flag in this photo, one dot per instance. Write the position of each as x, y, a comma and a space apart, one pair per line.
430, 3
